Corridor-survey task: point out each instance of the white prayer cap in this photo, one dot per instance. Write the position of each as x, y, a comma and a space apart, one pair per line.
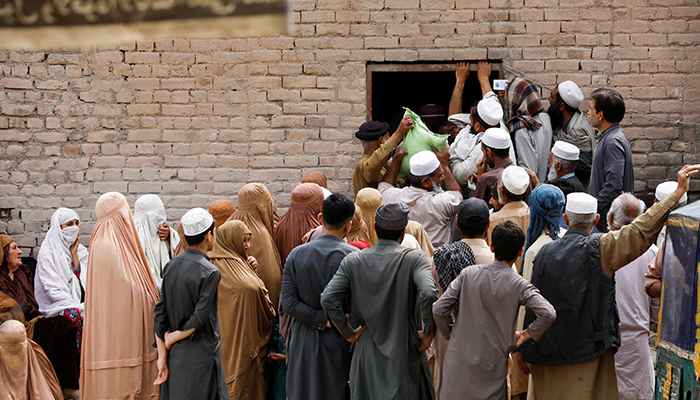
196, 221
666, 188
570, 93
565, 151
461, 120
490, 111
515, 179
423, 163
496, 138
581, 203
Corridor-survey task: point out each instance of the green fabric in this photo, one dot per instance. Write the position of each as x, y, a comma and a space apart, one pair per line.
417, 139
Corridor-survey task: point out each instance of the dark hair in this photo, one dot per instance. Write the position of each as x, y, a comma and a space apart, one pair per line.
610, 103
197, 239
472, 230
477, 118
388, 234
417, 180
338, 209
511, 196
568, 108
500, 153
507, 239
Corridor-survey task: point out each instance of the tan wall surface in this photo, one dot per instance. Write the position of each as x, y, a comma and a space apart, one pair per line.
194, 120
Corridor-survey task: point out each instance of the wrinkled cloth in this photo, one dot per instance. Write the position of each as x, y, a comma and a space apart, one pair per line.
182, 246
120, 295
612, 172
358, 229
56, 286
516, 211
519, 91
302, 216
416, 230
318, 362
419, 138
189, 300
532, 146
221, 210
450, 260
577, 131
464, 168
635, 369
245, 311
482, 251
316, 177
370, 170
149, 215
25, 371
257, 210
546, 207
392, 291
484, 334
369, 200
431, 209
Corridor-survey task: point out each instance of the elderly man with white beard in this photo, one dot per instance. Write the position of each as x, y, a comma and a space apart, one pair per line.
430, 205
563, 159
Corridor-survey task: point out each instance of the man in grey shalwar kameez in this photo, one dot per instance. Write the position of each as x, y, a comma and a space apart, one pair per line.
187, 321
489, 297
318, 362
392, 290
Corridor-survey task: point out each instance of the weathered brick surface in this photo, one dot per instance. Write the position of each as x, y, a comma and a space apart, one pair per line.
194, 120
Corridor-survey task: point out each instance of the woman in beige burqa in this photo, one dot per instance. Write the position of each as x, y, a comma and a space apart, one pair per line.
245, 312
118, 361
258, 211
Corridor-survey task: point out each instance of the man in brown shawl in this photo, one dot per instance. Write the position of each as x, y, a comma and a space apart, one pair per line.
245, 312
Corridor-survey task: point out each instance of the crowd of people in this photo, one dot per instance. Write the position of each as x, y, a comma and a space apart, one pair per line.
515, 264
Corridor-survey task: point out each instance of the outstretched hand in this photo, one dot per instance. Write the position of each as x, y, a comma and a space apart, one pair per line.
462, 71
684, 177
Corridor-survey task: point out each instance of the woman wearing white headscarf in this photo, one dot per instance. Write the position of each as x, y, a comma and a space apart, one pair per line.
157, 238
59, 280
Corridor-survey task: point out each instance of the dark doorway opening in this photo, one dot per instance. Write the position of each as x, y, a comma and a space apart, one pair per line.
390, 87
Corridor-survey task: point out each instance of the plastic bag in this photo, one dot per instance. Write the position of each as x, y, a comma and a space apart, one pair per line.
417, 139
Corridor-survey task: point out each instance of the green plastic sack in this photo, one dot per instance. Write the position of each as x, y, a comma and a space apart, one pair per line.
417, 139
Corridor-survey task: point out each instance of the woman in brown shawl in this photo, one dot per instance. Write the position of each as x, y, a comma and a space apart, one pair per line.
369, 200
221, 210
56, 335
245, 311
257, 210
358, 229
25, 371
302, 216
118, 361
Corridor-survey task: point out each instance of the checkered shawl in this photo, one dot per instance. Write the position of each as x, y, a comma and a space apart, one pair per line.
520, 90
450, 260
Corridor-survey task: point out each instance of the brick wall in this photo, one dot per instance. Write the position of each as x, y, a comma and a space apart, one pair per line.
194, 120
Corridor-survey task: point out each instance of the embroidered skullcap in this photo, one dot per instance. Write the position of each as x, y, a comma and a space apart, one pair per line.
392, 216
565, 151
196, 221
581, 203
515, 179
490, 111
570, 93
666, 188
496, 138
423, 163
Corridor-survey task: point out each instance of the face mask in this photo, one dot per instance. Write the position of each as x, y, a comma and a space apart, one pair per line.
69, 235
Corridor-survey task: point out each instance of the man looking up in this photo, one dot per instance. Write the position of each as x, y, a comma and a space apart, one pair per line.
392, 291
612, 171
563, 161
318, 363
377, 146
429, 204
571, 126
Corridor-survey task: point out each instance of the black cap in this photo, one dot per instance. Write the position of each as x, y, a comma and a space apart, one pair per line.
472, 211
372, 130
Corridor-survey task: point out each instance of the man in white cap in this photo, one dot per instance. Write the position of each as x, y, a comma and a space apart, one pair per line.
512, 185
188, 309
635, 370
393, 291
574, 359
465, 151
652, 278
430, 205
495, 146
563, 159
612, 172
570, 125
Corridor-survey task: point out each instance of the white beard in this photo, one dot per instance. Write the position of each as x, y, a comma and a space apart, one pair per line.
552, 174
436, 188
500, 196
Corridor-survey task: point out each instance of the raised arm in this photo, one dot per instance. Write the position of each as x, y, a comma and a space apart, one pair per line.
393, 172
461, 74
483, 73
451, 183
